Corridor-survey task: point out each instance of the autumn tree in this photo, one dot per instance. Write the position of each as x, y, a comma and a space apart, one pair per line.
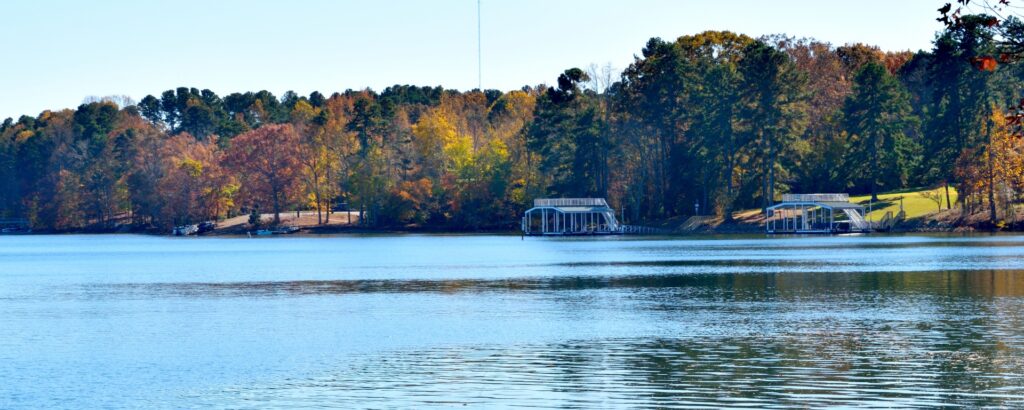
829, 82
342, 147
193, 186
961, 97
267, 162
9, 194
715, 119
147, 168
314, 156
509, 116
988, 170
369, 180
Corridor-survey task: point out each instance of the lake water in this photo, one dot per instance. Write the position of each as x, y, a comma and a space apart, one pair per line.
121, 321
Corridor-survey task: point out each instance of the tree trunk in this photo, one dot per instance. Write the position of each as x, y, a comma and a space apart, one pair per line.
529, 176
764, 171
874, 171
771, 175
991, 176
662, 191
704, 192
949, 205
991, 196
329, 206
277, 208
728, 182
319, 208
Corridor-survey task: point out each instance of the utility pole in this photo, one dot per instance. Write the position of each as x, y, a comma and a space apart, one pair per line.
479, 48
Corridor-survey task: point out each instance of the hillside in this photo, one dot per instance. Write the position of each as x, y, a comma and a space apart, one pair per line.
922, 213
915, 203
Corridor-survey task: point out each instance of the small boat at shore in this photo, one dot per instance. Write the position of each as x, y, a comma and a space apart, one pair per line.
208, 226
185, 230
286, 230
282, 230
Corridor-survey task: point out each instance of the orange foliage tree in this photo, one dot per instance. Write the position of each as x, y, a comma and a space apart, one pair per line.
993, 170
193, 186
266, 160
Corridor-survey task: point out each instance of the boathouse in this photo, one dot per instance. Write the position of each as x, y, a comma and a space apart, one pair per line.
570, 216
815, 213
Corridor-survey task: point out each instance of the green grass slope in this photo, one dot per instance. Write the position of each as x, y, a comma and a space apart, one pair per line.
915, 204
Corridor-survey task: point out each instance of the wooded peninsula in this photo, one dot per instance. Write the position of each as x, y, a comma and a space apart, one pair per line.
710, 123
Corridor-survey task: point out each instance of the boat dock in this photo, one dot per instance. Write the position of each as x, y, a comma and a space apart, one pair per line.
570, 216
14, 225
577, 216
815, 213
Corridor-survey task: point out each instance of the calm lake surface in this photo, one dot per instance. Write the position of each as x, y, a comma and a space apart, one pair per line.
122, 321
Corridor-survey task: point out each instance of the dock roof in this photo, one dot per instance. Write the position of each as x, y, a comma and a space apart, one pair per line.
832, 201
572, 205
566, 202
581, 208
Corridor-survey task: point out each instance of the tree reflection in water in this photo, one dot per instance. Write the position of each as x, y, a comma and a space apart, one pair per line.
890, 339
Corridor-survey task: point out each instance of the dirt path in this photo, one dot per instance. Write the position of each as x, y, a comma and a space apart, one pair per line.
305, 219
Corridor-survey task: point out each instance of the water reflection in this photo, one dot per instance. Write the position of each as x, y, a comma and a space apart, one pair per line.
421, 321
888, 368
890, 339
748, 286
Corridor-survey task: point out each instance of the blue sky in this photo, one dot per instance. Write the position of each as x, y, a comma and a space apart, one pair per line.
56, 53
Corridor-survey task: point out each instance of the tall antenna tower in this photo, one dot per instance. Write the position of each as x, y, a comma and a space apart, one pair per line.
479, 54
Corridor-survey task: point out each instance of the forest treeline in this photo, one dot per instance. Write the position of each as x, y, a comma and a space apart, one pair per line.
708, 123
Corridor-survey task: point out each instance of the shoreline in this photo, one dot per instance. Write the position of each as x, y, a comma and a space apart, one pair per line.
743, 223
335, 230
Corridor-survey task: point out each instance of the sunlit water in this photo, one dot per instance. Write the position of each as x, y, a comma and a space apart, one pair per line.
489, 321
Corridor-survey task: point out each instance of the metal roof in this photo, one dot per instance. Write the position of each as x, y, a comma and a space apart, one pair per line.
815, 198
539, 202
568, 209
826, 204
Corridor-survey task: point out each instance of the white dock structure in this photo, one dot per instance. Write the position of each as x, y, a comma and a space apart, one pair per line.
815, 213
571, 216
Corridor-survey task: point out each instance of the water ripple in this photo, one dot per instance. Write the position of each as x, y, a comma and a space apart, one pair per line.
744, 285
844, 369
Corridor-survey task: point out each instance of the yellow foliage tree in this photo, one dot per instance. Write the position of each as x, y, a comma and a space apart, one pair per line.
989, 172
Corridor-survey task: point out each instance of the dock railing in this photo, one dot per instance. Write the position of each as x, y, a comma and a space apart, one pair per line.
569, 202
815, 198
7, 222
641, 230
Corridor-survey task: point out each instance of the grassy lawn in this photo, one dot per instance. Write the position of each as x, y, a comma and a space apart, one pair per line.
914, 204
